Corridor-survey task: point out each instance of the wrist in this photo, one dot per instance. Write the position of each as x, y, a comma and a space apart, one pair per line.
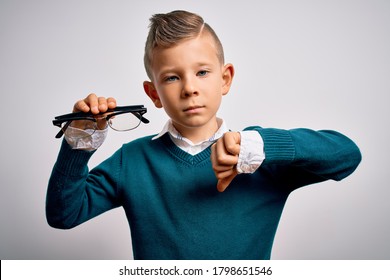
251, 152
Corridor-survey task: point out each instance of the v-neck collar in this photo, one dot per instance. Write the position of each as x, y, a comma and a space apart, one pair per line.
201, 157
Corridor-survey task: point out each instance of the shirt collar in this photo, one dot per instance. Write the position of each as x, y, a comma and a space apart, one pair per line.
169, 128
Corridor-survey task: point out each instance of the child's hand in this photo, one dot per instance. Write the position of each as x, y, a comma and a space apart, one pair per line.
94, 104
224, 158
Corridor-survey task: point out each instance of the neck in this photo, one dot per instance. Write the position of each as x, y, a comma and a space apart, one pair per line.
198, 134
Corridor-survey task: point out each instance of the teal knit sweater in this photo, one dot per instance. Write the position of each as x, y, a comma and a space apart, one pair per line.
170, 198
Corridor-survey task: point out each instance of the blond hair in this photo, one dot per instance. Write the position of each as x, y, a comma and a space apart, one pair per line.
167, 30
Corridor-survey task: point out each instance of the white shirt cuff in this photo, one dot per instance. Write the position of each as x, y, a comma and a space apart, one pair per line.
80, 140
251, 152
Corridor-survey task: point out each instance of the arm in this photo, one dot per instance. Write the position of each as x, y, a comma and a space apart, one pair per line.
296, 157
74, 194
300, 157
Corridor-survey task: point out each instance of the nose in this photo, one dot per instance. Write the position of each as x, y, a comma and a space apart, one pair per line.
189, 88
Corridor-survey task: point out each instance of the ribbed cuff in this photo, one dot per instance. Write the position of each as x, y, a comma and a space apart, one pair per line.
72, 162
278, 145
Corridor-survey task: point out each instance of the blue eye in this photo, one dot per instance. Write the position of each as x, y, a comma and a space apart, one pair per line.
203, 73
171, 79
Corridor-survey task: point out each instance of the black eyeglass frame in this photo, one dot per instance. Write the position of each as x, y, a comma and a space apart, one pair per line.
137, 110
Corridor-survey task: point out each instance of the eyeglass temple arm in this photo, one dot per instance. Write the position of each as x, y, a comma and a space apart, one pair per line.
62, 130
144, 120
140, 117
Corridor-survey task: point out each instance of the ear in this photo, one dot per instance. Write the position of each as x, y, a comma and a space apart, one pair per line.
227, 78
151, 91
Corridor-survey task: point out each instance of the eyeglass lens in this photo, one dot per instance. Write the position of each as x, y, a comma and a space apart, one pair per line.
119, 122
125, 121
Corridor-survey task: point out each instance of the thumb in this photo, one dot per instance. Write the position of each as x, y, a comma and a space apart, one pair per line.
225, 182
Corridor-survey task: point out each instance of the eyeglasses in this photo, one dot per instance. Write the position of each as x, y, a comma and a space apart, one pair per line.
121, 118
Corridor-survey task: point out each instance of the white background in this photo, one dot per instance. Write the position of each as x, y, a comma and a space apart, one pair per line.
316, 64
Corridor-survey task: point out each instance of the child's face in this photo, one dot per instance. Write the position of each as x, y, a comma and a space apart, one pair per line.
189, 82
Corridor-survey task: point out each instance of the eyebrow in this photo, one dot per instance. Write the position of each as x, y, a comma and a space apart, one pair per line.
175, 69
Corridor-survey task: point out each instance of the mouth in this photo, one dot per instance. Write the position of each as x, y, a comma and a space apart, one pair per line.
193, 108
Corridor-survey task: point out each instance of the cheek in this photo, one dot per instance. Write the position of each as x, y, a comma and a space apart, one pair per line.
215, 100
168, 101
169, 91
163, 93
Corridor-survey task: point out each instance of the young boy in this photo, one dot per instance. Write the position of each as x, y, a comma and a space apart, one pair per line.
196, 190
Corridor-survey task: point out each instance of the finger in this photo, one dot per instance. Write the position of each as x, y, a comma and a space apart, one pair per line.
81, 106
216, 164
223, 168
111, 102
85, 104
232, 142
224, 174
102, 104
223, 157
92, 101
224, 183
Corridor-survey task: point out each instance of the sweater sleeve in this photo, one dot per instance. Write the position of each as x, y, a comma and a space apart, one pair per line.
75, 195
300, 157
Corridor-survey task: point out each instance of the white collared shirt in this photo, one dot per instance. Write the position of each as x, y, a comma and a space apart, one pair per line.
251, 147
186, 144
